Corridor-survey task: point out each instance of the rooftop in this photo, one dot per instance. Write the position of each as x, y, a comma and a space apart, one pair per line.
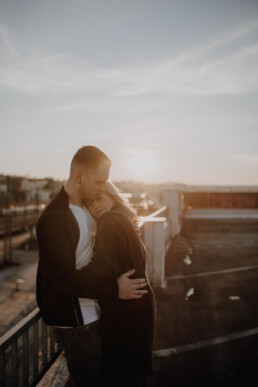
215, 188
207, 316
207, 321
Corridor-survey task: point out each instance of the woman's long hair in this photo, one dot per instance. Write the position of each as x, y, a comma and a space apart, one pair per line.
121, 202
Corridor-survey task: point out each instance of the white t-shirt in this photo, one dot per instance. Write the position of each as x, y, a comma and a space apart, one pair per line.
88, 226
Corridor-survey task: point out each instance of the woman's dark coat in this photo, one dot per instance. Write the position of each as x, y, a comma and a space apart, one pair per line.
128, 326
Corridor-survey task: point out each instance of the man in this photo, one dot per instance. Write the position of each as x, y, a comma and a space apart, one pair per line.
67, 296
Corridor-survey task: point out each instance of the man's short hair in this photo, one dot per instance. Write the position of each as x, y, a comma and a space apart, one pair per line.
90, 156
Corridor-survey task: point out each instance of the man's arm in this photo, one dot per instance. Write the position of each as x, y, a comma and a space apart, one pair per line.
55, 261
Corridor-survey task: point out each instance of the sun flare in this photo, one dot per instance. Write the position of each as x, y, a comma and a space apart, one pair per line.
142, 165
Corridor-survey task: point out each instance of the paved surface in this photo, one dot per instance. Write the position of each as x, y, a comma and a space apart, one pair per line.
57, 376
207, 323
17, 288
17, 240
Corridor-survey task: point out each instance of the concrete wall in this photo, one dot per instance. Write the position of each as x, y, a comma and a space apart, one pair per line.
173, 200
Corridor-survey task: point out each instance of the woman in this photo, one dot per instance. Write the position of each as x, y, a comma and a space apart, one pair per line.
128, 326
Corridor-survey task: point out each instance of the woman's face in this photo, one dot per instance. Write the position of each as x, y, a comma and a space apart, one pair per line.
99, 206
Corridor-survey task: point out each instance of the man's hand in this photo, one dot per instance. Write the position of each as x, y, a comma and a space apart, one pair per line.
130, 288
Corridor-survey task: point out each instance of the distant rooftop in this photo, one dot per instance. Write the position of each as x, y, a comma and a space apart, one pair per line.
216, 188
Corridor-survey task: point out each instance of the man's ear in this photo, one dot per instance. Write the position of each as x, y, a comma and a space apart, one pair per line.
79, 177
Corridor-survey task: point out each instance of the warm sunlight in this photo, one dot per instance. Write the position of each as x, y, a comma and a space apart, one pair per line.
143, 165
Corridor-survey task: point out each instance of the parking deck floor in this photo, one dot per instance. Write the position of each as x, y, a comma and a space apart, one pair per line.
207, 321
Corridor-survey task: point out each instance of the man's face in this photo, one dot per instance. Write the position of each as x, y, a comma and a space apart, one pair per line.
93, 183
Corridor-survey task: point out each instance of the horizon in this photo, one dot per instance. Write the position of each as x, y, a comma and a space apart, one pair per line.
171, 183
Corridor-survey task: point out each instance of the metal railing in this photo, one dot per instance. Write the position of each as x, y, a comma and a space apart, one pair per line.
26, 352
13, 222
18, 219
162, 211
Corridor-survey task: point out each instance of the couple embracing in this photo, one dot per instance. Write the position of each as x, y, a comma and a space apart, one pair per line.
91, 280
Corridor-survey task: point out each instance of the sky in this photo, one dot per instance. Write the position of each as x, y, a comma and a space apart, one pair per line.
168, 89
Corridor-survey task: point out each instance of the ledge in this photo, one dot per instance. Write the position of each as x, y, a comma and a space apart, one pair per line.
57, 375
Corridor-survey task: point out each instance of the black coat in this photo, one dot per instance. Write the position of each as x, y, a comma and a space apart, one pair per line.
59, 284
128, 326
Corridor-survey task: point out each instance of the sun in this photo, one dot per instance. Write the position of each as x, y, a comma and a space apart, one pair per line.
142, 165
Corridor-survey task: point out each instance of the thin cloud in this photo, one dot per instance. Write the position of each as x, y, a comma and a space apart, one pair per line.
227, 65
247, 159
214, 68
8, 50
41, 73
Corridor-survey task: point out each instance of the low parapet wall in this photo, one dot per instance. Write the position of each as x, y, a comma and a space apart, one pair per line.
220, 213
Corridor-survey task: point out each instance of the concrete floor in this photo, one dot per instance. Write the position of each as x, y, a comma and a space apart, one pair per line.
207, 321
17, 300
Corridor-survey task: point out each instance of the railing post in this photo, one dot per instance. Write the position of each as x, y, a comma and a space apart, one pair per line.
2, 368
25, 352
35, 350
154, 240
15, 368
172, 199
44, 343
